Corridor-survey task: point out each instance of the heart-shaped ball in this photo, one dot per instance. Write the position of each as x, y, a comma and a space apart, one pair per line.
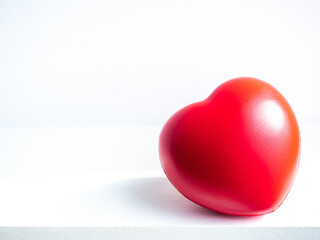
236, 152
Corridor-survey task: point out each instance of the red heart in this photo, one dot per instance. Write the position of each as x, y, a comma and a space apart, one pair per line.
237, 152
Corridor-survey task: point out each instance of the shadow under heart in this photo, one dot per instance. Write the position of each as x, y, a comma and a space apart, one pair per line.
151, 200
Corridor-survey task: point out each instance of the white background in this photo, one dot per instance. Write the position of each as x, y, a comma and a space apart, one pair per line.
85, 87
100, 62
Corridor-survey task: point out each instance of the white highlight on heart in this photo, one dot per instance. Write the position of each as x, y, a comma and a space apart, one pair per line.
272, 114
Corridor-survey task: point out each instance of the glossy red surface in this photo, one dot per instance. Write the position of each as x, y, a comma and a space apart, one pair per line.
236, 152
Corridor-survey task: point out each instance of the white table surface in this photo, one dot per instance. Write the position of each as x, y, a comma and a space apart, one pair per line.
106, 182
